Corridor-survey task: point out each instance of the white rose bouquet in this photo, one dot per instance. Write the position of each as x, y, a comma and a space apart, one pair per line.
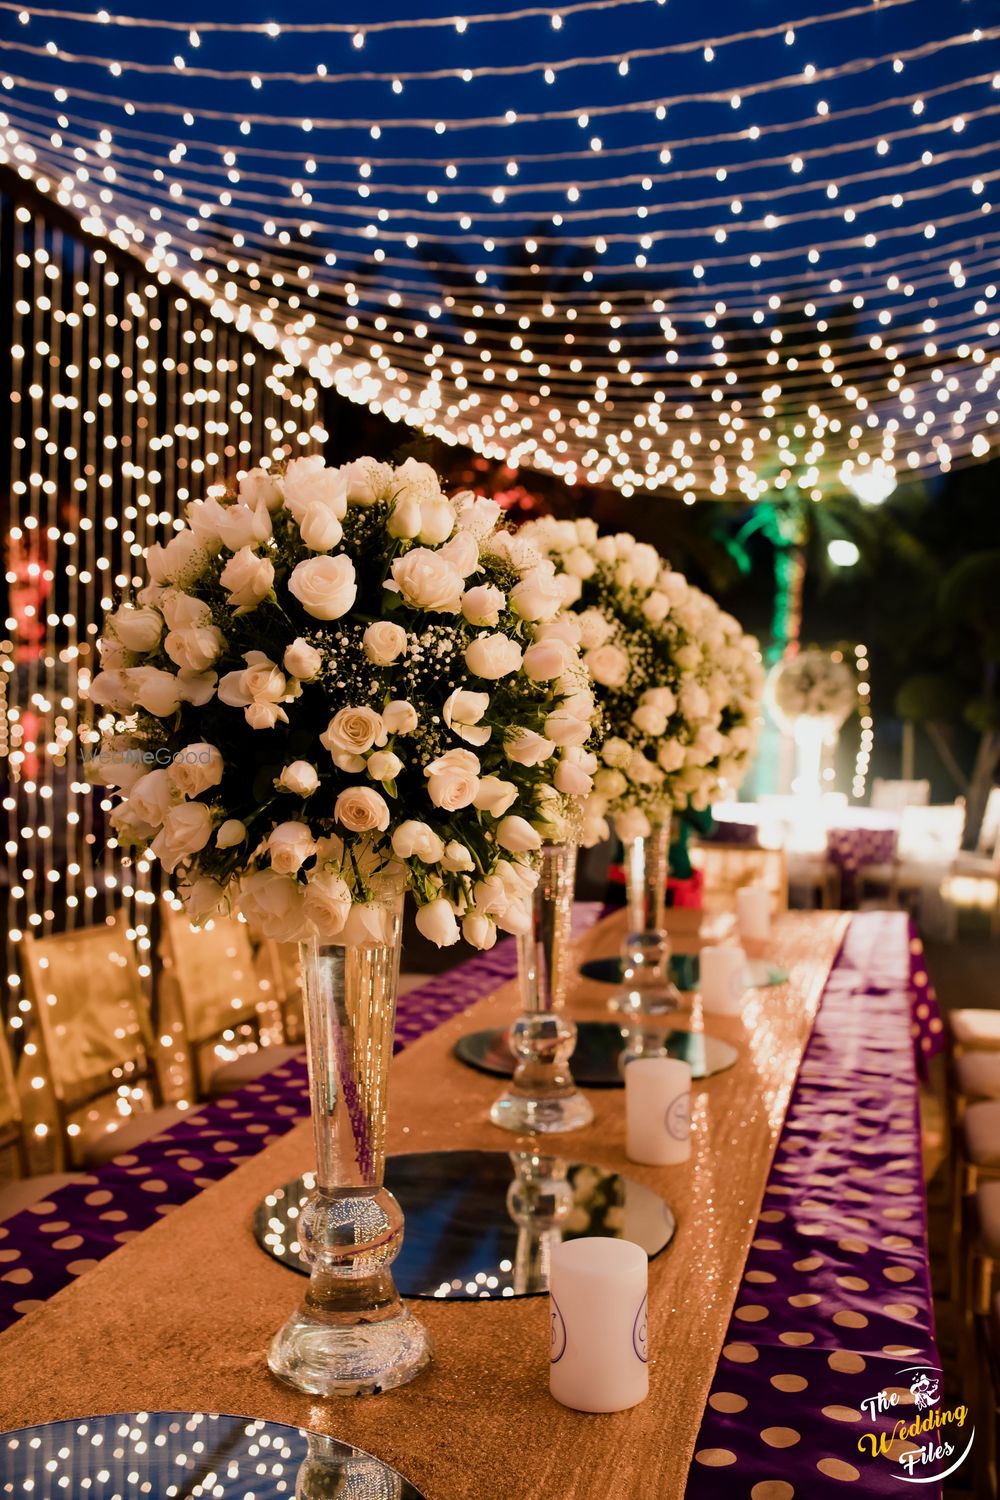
813, 685
677, 682
343, 675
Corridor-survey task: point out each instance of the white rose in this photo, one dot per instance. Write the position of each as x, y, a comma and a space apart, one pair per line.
462, 552
572, 778
436, 921
302, 660
383, 642
661, 698
645, 563
606, 549
383, 765
581, 705
493, 656
416, 481
152, 797
674, 585
247, 579
361, 810
428, 581
181, 561
137, 629
649, 720
631, 824
536, 597
258, 486
274, 905
235, 526
404, 519
437, 522
595, 628
670, 755
366, 481
453, 779
617, 752
563, 728
482, 605
186, 829
526, 748
258, 690
195, 768
299, 777
289, 846
566, 628
326, 904
495, 796
196, 647
478, 930
462, 712
644, 772
476, 513
319, 527
457, 857
694, 703
350, 734
547, 659
203, 899
656, 607
181, 610
400, 717
326, 587
570, 590
415, 840
516, 919
609, 783
607, 665
116, 689
231, 833
159, 693
580, 563
113, 654
517, 836
688, 657
308, 481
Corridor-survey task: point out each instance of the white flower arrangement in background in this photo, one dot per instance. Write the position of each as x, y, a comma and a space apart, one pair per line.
815, 684
678, 682
346, 677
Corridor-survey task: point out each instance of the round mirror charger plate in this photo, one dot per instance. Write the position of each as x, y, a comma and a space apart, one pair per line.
163, 1455
599, 1045
479, 1224
684, 972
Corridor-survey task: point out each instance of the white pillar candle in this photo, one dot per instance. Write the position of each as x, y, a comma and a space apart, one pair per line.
598, 1313
753, 912
723, 972
658, 1111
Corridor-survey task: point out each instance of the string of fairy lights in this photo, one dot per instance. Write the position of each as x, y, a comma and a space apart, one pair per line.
127, 400
576, 237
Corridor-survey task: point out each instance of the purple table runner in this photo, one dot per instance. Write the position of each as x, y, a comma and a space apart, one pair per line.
835, 1301
850, 848
43, 1248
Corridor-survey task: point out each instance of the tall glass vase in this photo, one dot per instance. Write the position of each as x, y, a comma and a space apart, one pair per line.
645, 951
542, 1095
352, 1335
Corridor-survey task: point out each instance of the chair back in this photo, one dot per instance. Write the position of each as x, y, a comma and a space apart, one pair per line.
92, 1013
11, 1122
931, 835
279, 972
989, 830
212, 971
894, 796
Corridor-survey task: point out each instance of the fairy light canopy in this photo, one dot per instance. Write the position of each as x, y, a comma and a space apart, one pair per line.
593, 237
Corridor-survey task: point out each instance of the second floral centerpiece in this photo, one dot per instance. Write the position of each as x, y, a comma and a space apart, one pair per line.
679, 686
349, 684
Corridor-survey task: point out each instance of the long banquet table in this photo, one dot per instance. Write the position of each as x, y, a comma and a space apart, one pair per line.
797, 1283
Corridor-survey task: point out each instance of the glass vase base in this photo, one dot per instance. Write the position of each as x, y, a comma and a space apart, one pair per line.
526, 1114
653, 1002
361, 1359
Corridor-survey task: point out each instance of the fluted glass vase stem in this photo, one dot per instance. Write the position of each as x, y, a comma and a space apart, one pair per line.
542, 1095
646, 949
352, 1335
